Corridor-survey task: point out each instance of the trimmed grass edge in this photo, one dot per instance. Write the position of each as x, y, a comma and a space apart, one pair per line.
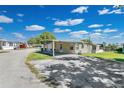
114, 59
34, 70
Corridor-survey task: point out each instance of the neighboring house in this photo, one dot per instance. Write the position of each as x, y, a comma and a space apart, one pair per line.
99, 48
69, 47
5, 45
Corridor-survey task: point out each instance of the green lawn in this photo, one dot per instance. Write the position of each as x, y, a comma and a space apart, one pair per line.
107, 55
37, 56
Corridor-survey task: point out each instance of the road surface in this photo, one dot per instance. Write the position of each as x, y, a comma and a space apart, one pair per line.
14, 73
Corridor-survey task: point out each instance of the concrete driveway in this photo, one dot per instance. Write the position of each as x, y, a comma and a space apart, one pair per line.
14, 73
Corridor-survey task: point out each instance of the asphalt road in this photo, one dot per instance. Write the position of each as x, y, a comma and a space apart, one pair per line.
14, 73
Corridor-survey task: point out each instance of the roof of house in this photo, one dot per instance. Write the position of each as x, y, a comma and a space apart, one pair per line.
68, 41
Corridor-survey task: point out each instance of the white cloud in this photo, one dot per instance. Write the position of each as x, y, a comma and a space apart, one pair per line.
118, 36
115, 6
78, 34
98, 30
96, 35
107, 11
121, 34
19, 35
95, 25
103, 11
117, 11
81, 9
68, 22
1, 28
5, 19
58, 30
108, 30
20, 15
34, 28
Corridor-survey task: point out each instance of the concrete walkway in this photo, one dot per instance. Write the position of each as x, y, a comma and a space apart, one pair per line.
14, 73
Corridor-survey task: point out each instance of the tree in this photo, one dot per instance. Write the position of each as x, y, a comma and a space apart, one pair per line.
46, 37
119, 6
111, 47
87, 41
32, 41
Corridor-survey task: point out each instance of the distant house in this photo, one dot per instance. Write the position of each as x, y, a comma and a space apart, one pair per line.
99, 48
5, 45
68, 47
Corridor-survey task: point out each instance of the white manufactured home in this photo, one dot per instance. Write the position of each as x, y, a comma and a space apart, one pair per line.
5, 45
69, 47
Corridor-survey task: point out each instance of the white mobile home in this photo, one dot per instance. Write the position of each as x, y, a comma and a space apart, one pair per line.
5, 45
68, 47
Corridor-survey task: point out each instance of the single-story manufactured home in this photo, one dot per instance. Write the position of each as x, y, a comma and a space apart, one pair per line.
6, 45
69, 47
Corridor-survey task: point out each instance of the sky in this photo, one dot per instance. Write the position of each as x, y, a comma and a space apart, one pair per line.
76, 22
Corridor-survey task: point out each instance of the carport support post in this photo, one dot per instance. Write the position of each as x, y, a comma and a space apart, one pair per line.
53, 47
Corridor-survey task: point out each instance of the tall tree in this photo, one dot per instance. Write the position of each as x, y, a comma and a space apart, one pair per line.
46, 37
32, 40
87, 41
43, 38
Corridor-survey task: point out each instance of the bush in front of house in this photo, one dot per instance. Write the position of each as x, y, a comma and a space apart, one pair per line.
119, 50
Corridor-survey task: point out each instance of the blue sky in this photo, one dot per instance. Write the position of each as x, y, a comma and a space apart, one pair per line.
100, 23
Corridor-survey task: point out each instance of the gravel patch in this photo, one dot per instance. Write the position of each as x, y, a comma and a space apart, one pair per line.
81, 72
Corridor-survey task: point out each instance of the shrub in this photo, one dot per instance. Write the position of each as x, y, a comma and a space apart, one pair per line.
119, 50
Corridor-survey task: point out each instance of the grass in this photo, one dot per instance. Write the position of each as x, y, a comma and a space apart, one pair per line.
37, 56
107, 55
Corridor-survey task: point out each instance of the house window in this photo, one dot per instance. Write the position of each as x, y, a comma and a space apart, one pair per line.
60, 46
71, 48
